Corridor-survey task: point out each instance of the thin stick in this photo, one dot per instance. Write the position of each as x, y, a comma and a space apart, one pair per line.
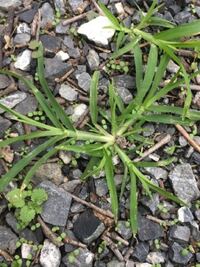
117, 237
113, 247
53, 237
161, 143
74, 242
97, 7
188, 138
92, 206
6, 255
65, 76
73, 19
48, 233
155, 219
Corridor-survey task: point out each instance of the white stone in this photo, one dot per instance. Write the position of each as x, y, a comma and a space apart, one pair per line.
26, 250
78, 112
50, 255
23, 60
11, 101
62, 55
23, 28
96, 30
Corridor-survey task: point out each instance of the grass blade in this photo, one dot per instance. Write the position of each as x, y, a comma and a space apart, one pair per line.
133, 203
91, 149
124, 181
166, 119
157, 21
28, 120
20, 165
38, 95
93, 97
149, 74
36, 166
110, 16
125, 49
148, 15
60, 113
92, 168
185, 30
158, 76
120, 40
111, 183
29, 136
138, 67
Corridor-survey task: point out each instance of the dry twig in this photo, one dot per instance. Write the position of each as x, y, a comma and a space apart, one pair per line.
92, 206
6, 255
113, 247
48, 233
73, 19
161, 143
115, 236
53, 237
188, 138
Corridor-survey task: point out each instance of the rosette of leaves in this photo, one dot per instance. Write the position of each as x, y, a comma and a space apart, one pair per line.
123, 125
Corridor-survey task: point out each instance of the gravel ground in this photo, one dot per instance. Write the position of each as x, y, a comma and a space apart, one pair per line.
168, 234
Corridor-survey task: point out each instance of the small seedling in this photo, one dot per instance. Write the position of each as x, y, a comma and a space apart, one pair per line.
27, 204
117, 66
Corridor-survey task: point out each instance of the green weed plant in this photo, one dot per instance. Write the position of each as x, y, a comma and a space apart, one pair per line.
124, 123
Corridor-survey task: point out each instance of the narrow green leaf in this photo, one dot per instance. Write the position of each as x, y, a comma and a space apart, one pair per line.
125, 49
149, 74
92, 168
93, 97
27, 120
157, 21
120, 40
111, 183
112, 103
59, 112
36, 166
39, 96
20, 165
133, 203
110, 16
91, 149
138, 67
160, 163
148, 15
124, 181
185, 30
29, 136
158, 76
166, 119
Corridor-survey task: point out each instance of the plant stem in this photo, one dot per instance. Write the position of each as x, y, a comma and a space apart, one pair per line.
82, 135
